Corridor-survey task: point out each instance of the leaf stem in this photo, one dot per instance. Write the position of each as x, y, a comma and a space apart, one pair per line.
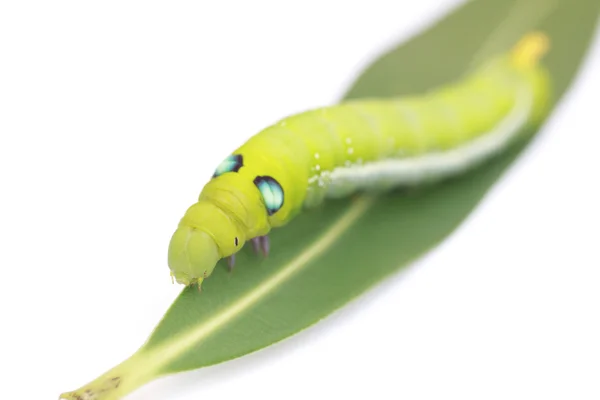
117, 382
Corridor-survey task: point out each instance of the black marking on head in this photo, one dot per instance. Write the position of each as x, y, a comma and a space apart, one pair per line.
271, 192
232, 163
236, 241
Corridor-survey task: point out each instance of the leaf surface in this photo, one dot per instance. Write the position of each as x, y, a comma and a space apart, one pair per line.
327, 257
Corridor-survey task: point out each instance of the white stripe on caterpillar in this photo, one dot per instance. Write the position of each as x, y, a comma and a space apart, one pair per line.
434, 166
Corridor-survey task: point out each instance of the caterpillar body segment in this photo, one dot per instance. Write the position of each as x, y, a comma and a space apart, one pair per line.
358, 145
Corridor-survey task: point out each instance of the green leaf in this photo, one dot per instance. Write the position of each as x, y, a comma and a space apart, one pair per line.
329, 256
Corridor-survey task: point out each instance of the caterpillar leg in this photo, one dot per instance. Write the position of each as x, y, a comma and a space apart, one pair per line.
261, 244
200, 280
231, 262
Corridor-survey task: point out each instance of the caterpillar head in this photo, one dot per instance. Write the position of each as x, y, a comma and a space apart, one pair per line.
204, 236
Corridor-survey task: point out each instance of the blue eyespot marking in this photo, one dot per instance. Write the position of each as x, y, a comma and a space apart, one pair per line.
232, 163
272, 193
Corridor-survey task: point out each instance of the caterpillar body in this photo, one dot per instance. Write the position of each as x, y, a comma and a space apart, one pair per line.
367, 144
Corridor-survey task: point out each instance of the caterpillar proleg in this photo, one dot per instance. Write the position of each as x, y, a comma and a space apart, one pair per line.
359, 145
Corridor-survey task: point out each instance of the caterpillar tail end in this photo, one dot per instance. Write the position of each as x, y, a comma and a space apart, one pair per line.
530, 49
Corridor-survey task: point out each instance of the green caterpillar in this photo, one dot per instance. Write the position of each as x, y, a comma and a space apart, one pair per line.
370, 144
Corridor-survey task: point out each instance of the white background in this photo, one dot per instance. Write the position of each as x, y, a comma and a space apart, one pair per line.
113, 114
